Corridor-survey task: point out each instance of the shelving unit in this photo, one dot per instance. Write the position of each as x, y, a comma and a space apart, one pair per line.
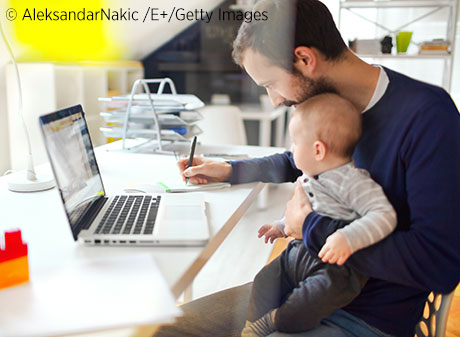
432, 8
243, 5
160, 119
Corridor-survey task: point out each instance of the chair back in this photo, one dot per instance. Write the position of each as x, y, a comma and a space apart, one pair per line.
434, 319
222, 124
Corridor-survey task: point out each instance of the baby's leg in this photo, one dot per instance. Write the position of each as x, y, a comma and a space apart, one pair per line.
269, 290
270, 287
321, 289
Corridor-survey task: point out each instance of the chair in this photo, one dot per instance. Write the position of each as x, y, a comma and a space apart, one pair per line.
434, 319
222, 124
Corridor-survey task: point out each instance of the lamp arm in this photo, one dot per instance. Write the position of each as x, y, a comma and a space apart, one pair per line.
30, 163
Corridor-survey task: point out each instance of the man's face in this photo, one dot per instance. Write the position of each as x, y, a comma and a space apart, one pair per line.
302, 145
282, 86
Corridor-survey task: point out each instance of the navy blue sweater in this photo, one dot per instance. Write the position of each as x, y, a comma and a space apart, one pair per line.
411, 147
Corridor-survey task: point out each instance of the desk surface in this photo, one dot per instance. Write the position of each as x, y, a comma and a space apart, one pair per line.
42, 220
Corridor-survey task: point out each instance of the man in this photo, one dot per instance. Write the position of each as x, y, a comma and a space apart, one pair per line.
410, 145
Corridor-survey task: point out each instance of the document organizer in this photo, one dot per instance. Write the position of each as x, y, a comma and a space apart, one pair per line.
161, 119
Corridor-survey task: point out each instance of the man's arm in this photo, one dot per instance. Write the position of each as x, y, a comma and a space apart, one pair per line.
277, 168
427, 255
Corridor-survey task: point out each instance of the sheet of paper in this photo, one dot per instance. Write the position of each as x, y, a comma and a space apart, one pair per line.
183, 187
173, 187
88, 295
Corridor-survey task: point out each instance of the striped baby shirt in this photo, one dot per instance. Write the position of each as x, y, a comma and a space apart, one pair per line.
348, 193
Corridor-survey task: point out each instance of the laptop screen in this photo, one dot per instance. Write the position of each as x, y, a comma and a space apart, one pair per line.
72, 157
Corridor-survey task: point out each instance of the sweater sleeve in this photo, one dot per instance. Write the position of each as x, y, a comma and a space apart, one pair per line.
277, 168
377, 218
427, 254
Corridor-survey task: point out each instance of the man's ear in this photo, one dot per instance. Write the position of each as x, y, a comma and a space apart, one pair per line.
320, 150
305, 60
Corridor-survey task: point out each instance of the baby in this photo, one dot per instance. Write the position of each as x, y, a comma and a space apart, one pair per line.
295, 291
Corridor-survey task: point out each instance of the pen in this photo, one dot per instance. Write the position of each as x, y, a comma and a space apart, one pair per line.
192, 153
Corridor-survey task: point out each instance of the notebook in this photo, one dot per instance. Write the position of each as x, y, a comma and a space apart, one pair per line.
174, 187
126, 219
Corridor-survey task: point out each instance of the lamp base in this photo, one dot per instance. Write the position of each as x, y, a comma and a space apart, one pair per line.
20, 183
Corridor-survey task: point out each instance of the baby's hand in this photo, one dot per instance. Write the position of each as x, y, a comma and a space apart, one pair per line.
271, 233
335, 250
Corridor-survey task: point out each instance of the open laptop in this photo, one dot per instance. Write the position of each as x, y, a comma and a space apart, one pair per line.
127, 219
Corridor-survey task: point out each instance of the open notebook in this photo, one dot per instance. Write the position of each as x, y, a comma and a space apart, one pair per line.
174, 187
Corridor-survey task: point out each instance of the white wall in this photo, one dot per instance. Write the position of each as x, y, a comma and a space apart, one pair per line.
139, 39
4, 146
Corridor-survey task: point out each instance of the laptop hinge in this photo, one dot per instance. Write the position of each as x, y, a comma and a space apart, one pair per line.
88, 217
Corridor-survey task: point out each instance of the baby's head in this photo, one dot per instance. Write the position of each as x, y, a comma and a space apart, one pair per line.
324, 131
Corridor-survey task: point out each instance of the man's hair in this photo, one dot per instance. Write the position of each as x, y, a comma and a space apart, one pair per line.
335, 121
289, 24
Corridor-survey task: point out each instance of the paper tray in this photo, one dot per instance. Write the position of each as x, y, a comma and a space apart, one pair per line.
117, 132
188, 102
183, 118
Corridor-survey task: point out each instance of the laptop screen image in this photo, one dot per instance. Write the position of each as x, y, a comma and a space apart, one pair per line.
72, 157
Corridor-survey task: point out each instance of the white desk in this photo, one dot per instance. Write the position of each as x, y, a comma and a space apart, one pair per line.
250, 113
265, 118
42, 220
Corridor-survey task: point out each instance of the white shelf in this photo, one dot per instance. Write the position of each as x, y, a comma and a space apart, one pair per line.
395, 4
405, 56
244, 8
351, 6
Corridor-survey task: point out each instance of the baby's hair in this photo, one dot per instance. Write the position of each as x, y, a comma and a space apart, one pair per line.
335, 121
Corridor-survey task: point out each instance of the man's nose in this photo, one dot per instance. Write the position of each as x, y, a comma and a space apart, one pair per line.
275, 98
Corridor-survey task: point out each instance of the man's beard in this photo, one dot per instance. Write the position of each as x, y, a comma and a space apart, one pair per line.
309, 88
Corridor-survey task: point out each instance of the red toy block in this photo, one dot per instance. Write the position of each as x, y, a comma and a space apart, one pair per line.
14, 266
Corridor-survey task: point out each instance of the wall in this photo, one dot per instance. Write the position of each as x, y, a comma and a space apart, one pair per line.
4, 145
134, 39
138, 40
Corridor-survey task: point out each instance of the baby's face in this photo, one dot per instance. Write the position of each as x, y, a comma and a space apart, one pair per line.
303, 138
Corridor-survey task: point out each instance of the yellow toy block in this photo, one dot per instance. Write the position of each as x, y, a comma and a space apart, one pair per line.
15, 271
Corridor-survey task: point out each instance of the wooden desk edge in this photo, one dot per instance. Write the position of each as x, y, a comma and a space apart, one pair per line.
187, 278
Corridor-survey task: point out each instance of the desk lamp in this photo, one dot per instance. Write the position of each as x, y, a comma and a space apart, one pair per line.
27, 181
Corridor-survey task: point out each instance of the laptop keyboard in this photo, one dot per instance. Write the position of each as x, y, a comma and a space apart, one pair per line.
134, 214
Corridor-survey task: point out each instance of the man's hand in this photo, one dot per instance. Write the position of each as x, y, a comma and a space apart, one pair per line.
297, 210
271, 233
204, 171
335, 250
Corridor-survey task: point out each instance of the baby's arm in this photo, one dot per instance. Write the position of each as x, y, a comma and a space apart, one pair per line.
272, 231
377, 219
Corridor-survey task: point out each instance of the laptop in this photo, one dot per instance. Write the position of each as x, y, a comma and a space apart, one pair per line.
125, 219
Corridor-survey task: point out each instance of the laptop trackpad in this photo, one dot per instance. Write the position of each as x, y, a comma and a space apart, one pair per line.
183, 223
183, 213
